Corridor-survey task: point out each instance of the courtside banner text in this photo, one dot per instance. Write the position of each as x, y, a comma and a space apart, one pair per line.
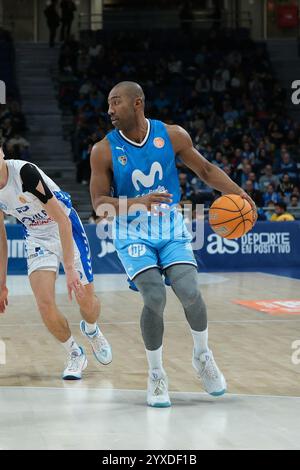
268, 245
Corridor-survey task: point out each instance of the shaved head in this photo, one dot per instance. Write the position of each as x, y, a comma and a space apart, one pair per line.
126, 103
130, 89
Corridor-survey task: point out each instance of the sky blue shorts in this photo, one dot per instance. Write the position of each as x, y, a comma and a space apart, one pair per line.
140, 251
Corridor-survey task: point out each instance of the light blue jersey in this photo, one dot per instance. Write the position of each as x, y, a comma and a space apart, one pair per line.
140, 169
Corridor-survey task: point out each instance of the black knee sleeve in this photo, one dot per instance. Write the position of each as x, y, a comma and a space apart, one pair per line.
153, 291
184, 282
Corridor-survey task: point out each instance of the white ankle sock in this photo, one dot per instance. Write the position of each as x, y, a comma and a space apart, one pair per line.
200, 341
71, 346
90, 328
155, 360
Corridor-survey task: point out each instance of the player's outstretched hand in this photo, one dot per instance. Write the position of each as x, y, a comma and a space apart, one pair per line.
3, 299
253, 205
74, 284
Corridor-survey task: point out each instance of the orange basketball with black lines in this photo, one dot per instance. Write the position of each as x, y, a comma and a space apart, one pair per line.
231, 216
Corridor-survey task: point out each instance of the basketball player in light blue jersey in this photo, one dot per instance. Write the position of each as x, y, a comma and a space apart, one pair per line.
137, 160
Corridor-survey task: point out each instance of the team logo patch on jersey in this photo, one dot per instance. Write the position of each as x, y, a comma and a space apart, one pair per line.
159, 142
22, 200
123, 160
3, 207
136, 250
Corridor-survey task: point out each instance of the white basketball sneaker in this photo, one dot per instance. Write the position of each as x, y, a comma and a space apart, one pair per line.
157, 394
76, 364
101, 347
212, 378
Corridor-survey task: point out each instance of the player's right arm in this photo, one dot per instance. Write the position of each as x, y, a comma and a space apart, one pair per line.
101, 183
101, 176
3, 265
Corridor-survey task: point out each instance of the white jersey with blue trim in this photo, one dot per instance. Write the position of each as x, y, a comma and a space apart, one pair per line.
28, 209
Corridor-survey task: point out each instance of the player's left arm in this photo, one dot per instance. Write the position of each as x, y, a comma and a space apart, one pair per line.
212, 175
34, 183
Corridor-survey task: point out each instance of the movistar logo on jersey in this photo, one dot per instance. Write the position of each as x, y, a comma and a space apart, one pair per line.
138, 177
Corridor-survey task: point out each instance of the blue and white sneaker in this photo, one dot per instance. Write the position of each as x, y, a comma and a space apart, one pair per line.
208, 372
101, 347
76, 364
157, 393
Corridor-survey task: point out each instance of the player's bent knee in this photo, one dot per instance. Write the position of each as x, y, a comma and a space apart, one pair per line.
88, 301
190, 294
184, 282
155, 299
47, 307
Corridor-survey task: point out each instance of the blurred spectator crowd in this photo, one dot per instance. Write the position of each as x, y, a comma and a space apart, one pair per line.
12, 120
218, 85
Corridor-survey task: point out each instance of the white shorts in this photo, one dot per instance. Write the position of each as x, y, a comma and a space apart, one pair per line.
43, 258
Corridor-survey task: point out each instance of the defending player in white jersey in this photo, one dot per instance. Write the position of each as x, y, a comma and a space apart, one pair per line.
54, 234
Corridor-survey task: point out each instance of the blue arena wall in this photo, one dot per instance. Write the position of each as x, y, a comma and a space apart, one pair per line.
268, 245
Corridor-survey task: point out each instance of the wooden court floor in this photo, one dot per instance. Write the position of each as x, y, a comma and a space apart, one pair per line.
253, 349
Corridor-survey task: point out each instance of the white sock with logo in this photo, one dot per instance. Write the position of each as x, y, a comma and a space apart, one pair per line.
71, 346
90, 328
155, 360
200, 342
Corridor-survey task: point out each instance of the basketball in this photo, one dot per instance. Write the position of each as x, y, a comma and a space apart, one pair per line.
231, 216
